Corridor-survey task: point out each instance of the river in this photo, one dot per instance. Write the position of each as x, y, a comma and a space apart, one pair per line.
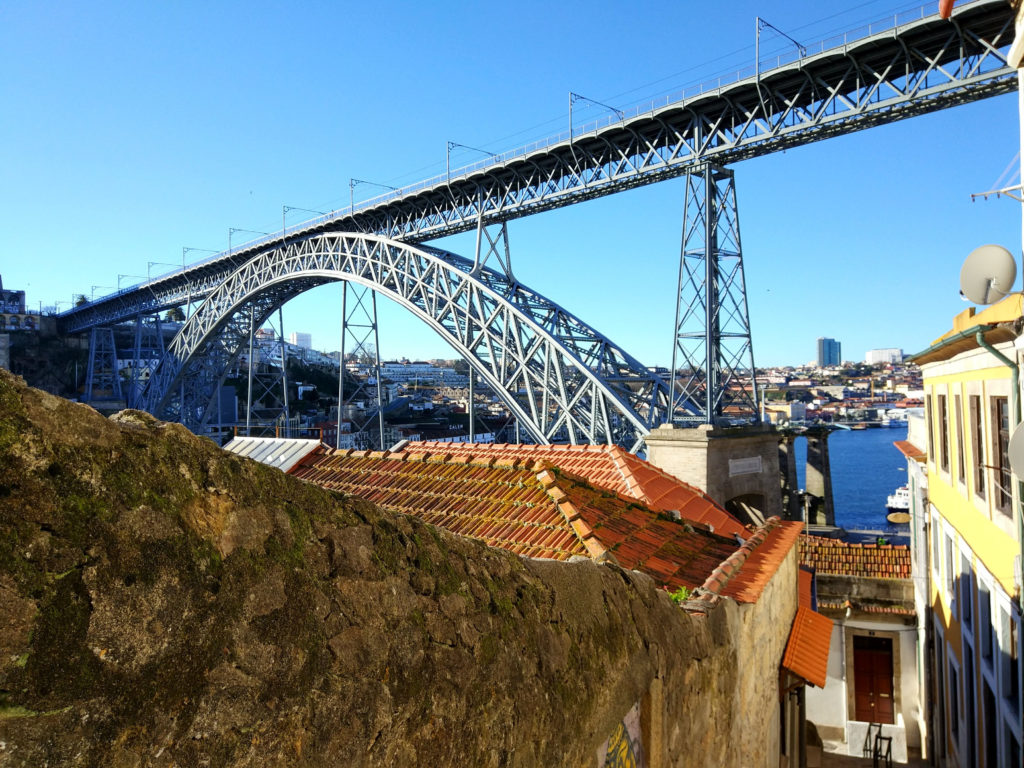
866, 468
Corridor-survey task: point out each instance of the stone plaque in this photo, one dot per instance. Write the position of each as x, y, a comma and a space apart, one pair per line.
751, 466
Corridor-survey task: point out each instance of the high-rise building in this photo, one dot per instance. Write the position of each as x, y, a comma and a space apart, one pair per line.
829, 352
303, 340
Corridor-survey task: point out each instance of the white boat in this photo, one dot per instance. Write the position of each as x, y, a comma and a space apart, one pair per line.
899, 501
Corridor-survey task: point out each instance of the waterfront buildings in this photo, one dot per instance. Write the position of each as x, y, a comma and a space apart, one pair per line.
829, 352
967, 538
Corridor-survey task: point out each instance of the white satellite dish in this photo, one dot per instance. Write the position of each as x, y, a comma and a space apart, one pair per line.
1015, 451
988, 274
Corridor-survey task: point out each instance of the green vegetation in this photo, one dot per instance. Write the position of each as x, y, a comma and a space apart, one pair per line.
680, 595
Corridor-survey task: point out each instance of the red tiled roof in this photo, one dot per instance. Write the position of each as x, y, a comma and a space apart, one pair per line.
806, 653
838, 605
806, 579
911, 451
763, 554
839, 558
531, 509
611, 467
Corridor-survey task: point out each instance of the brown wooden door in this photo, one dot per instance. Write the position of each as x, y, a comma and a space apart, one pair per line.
872, 680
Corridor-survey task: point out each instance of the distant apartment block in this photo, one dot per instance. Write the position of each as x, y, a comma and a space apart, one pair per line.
883, 356
303, 340
829, 352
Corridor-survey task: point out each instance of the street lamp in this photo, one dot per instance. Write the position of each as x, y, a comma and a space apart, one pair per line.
92, 296
232, 230
574, 97
448, 153
352, 183
284, 212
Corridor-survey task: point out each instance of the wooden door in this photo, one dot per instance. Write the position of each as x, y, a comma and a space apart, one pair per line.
872, 680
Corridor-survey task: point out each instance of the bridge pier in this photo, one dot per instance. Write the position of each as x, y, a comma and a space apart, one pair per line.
738, 467
788, 478
820, 507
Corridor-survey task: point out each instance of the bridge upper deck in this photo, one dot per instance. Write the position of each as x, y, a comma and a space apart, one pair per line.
903, 70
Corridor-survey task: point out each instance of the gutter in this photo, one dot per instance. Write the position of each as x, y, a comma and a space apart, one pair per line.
1015, 393
958, 336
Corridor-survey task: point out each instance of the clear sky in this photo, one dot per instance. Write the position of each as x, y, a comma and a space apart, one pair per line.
131, 130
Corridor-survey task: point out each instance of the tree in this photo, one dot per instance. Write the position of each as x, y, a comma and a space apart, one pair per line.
81, 300
175, 315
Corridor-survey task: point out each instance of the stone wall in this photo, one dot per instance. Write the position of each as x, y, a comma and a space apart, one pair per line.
164, 603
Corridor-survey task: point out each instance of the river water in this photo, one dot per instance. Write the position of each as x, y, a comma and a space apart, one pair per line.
866, 468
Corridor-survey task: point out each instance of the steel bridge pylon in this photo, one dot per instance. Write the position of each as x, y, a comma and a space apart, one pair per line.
713, 378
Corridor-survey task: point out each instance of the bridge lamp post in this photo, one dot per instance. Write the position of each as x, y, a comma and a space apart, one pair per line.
92, 296
137, 277
353, 183
232, 230
284, 212
760, 24
186, 251
448, 156
574, 97
151, 264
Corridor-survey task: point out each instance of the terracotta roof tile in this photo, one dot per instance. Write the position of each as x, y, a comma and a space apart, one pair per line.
766, 549
507, 506
806, 589
865, 607
610, 467
806, 653
839, 558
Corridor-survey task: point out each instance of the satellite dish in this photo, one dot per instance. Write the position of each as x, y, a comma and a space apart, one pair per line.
988, 274
1015, 451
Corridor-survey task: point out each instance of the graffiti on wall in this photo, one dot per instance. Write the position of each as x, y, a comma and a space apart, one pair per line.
624, 748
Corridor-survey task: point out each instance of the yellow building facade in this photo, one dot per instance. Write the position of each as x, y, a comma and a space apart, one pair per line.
972, 520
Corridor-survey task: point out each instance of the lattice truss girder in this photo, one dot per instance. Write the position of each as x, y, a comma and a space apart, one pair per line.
562, 379
713, 350
919, 67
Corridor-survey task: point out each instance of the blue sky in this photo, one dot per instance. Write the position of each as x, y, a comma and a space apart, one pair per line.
132, 130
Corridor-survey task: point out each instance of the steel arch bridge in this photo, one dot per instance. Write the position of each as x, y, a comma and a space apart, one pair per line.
560, 377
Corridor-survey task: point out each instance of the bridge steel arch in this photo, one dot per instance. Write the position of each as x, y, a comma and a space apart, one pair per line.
562, 379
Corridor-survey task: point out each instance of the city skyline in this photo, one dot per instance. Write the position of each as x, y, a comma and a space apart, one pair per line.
128, 157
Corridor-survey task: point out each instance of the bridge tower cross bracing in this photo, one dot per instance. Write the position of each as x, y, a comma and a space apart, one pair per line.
267, 380
147, 351
359, 323
712, 354
102, 379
